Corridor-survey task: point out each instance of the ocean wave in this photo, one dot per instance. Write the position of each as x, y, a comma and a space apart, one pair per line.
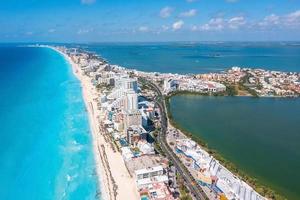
75, 142
74, 99
71, 147
75, 148
71, 178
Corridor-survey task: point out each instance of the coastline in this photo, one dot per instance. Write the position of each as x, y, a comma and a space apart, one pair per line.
89, 98
111, 170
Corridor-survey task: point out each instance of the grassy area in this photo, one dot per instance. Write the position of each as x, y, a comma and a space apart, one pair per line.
231, 90
258, 186
242, 86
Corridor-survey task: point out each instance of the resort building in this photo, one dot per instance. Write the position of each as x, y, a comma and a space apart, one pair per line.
211, 173
132, 118
156, 191
135, 134
193, 85
146, 177
126, 83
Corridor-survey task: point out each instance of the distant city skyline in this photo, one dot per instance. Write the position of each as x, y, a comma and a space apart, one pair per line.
149, 20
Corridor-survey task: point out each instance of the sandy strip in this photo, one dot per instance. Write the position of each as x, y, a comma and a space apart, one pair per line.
114, 178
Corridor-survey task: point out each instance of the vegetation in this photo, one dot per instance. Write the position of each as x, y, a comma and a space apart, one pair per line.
248, 89
143, 85
259, 187
155, 133
102, 86
186, 92
131, 74
231, 90
243, 85
160, 83
136, 149
184, 192
157, 147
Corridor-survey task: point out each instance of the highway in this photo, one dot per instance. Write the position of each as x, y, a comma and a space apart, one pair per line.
191, 183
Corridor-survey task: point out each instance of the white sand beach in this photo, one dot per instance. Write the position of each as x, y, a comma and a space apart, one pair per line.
115, 181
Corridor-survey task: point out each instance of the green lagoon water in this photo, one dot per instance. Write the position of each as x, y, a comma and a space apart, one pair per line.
261, 136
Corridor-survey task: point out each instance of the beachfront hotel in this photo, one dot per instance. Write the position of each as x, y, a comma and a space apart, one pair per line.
126, 120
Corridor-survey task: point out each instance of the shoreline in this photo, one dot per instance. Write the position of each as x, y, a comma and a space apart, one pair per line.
100, 173
111, 170
90, 104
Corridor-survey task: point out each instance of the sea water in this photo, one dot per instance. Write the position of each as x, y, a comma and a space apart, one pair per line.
45, 141
201, 57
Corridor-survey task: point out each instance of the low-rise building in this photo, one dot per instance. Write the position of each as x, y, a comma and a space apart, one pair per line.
215, 175
148, 176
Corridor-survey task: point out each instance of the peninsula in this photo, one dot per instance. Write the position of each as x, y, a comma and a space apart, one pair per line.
139, 154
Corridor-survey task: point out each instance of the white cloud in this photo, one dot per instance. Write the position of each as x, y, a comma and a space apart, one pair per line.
88, 2
165, 12
219, 23
293, 18
273, 19
214, 24
236, 22
289, 21
177, 25
143, 29
84, 31
270, 20
189, 13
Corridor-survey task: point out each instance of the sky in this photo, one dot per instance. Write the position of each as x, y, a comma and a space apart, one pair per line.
149, 20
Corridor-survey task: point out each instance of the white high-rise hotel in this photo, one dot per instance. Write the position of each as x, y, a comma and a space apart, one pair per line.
131, 101
126, 98
125, 83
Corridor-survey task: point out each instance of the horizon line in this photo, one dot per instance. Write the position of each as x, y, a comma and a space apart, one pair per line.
171, 41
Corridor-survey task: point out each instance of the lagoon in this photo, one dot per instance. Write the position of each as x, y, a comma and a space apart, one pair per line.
261, 136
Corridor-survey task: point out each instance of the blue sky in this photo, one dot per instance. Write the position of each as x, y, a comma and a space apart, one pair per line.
148, 20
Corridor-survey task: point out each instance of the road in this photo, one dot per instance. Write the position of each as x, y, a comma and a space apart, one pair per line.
191, 183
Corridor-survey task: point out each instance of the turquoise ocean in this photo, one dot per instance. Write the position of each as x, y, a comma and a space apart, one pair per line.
45, 141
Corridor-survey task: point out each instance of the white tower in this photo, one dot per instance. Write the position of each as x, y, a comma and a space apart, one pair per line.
127, 84
131, 101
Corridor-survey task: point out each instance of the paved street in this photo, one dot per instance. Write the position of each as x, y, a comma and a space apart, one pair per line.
191, 183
